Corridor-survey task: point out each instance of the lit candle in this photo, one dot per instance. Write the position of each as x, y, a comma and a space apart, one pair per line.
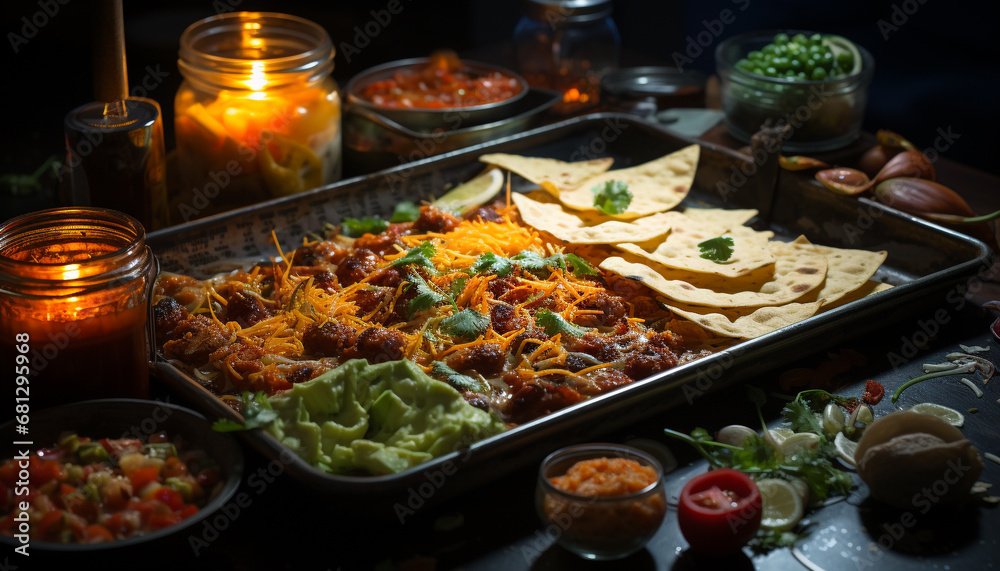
73, 289
258, 115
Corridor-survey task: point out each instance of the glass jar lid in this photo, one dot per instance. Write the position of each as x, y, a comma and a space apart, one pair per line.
553, 11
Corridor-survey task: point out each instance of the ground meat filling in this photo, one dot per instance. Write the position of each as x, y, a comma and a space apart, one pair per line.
357, 266
246, 309
194, 340
329, 340
487, 359
168, 315
377, 345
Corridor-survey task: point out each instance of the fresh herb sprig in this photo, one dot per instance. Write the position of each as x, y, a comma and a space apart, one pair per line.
718, 250
257, 413
612, 197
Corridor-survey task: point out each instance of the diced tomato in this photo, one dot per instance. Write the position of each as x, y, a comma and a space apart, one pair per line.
160, 521
874, 391
97, 533
171, 497
51, 523
144, 507
188, 511
174, 467
143, 476
43, 471
123, 523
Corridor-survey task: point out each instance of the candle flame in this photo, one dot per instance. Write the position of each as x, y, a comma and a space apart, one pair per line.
71, 272
257, 81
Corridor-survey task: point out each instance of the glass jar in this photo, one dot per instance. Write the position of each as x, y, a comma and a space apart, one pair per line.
567, 45
73, 288
257, 115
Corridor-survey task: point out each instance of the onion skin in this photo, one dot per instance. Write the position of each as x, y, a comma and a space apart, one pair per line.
906, 164
919, 196
924, 198
843, 180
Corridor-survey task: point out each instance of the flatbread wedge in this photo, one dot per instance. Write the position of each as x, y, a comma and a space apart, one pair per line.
656, 186
552, 175
551, 217
747, 323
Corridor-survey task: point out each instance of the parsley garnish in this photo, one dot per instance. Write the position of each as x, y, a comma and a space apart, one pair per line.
405, 211
419, 256
718, 250
458, 380
612, 197
257, 413
467, 323
426, 298
581, 267
458, 286
554, 323
355, 227
490, 263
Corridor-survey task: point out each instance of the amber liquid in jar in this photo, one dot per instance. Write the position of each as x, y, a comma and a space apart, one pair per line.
258, 114
73, 290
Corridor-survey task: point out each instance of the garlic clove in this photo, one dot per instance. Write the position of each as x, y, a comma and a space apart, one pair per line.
844, 180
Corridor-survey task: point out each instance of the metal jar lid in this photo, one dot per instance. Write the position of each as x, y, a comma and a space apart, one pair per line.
652, 81
575, 10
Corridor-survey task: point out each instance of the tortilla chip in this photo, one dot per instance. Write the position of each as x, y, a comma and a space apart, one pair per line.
656, 186
787, 280
680, 249
747, 323
870, 288
847, 269
551, 174
552, 218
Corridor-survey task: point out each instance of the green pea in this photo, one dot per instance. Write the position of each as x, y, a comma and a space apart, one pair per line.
826, 59
770, 71
755, 55
781, 38
801, 75
818, 74
845, 60
800, 38
769, 49
816, 39
795, 64
810, 65
758, 71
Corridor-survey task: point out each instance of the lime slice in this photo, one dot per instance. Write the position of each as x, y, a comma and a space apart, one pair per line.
783, 506
845, 448
473, 193
839, 45
949, 415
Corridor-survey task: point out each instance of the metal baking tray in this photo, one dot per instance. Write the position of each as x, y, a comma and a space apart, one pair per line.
923, 260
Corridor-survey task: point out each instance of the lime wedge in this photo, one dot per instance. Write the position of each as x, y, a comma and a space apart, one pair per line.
783, 506
949, 415
798, 442
839, 45
473, 193
846, 448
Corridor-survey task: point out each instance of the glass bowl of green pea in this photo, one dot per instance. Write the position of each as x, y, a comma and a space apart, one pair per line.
817, 83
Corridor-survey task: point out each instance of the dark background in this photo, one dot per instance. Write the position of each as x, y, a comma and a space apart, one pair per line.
937, 72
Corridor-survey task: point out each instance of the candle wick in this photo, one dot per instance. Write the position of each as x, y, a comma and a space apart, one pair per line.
115, 109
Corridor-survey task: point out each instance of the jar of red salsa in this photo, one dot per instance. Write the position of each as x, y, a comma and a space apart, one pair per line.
601, 501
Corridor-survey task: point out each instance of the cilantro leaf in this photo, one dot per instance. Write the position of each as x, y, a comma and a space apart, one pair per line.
533, 261
718, 250
612, 197
458, 380
490, 263
801, 418
355, 227
426, 298
257, 413
457, 286
554, 323
419, 255
406, 211
467, 323
581, 267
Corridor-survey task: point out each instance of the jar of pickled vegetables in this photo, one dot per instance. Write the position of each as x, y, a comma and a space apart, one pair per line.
257, 115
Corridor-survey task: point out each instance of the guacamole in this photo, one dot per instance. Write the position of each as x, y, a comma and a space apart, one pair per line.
380, 419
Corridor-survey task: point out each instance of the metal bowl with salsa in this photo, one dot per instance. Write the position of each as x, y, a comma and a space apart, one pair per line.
440, 92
